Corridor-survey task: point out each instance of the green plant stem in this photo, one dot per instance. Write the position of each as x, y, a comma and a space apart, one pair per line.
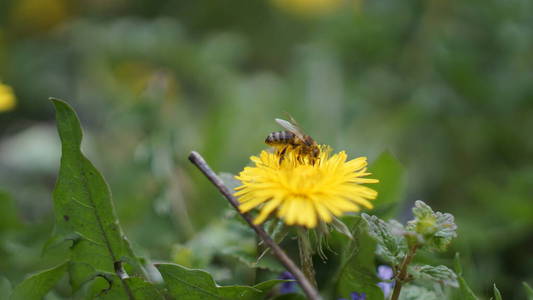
306, 255
402, 275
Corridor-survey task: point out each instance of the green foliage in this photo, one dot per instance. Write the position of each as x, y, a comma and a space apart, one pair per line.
100, 256
528, 290
227, 237
438, 274
112, 287
497, 294
5, 288
434, 230
446, 85
101, 263
414, 292
391, 187
464, 290
397, 246
85, 213
8, 213
36, 286
292, 296
184, 283
357, 271
391, 245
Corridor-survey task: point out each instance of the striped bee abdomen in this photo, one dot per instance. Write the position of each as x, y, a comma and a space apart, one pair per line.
280, 138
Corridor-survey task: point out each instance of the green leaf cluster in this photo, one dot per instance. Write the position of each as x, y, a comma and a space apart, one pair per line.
440, 274
433, 230
100, 262
357, 269
391, 245
397, 245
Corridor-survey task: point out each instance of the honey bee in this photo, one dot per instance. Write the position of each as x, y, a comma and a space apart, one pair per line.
293, 138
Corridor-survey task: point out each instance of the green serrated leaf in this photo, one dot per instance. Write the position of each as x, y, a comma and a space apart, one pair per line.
436, 229
391, 246
497, 294
529, 290
439, 274
357, 271
464, 290
5, 288
38, 285
184, 283
413, 292
84, 211
111, 288
392, 184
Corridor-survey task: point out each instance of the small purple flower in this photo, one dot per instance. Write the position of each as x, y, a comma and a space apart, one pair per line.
358, 296
287, 287
386, 288
385, 273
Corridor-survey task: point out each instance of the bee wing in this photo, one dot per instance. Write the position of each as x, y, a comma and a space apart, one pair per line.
291, 127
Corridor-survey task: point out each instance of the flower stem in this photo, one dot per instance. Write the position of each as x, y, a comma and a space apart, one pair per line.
306, 255
308, 288
402, 276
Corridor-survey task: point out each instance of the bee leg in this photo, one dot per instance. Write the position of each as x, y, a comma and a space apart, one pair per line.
282, 154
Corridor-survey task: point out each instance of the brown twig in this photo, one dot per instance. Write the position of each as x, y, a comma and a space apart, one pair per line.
402, 276
306, 286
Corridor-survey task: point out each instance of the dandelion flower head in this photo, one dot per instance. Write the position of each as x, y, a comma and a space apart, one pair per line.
301, 191
7, 98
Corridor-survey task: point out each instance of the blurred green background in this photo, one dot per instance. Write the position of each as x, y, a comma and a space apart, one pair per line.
446, 86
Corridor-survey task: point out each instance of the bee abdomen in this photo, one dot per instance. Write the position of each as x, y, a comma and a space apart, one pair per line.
280, 138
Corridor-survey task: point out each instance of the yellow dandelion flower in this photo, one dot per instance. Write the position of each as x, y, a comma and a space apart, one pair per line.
7, 98
301, 192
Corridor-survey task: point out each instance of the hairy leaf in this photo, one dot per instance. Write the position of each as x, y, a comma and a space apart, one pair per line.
391, 246
38, 285
184, 283
439, 274
85, 213
413, 292
357, 272
435, 228
392, 184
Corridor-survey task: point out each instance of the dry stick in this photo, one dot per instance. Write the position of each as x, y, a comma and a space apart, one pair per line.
307, 287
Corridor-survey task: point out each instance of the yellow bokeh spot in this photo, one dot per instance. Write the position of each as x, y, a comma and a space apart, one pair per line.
7, 98
38, 15
308, 7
